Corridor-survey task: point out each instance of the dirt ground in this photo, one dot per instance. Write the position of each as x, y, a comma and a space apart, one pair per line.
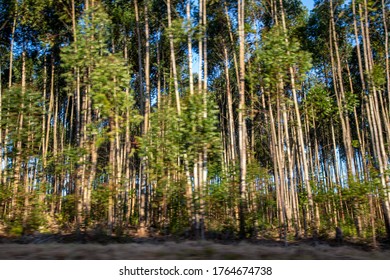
49, 247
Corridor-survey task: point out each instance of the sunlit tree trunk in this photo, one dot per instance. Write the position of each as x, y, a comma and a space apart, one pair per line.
173, 59
378, 122
231, 129
301, 143
241, 117
189, 192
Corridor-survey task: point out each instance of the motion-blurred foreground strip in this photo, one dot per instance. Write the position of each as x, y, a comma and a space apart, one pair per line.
103, 248
182, 251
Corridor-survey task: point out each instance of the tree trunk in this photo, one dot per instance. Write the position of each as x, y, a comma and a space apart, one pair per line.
241, 118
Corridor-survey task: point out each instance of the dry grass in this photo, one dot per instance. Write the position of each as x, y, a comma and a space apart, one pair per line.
183, 250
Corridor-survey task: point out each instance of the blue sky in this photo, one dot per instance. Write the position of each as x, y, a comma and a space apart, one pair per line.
308, 3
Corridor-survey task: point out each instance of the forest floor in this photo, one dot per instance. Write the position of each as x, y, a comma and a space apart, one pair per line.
72, 247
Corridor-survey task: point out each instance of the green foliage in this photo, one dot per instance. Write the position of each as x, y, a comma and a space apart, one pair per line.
109, 79
37, 220
106, 74
355, 143
31, 12
98, 86
378, 75
22, 112
351, 101
68, 211
277, 54
99, 204
16, 230
357, 191
199, 131
178, 31
89, 47
161, 144
318, 102
93, 32
172, 136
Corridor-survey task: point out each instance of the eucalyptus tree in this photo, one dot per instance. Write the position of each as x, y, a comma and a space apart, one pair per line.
105, 103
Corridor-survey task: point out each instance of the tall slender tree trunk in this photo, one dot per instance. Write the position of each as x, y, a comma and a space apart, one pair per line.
385, 16
11, 52
241, 117
173, 58
301, 143
231, 130
232, 43
189, 191
376, 120
189, 43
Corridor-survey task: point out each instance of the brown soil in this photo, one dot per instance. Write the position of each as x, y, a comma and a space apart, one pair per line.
70, 247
